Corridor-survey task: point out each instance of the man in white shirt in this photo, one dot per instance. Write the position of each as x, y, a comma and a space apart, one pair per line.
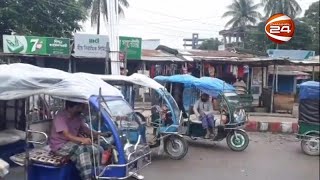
203, 109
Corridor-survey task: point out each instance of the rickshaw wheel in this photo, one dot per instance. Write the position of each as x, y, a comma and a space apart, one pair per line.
140, 116
176, 147
311, 146
239, 142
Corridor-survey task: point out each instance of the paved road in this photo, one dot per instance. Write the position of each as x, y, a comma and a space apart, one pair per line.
268, 157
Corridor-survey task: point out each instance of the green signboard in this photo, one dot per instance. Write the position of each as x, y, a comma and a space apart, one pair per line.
132, 46
36, 45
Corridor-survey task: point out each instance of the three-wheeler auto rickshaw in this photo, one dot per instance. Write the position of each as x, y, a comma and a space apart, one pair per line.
165, 118
309, 117
229, 105
43, 92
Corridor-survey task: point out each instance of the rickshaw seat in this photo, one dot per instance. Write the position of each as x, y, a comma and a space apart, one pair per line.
194, 119
48, 166
42, 156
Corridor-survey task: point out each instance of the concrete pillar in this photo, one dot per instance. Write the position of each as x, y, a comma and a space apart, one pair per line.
237, 37
265, 77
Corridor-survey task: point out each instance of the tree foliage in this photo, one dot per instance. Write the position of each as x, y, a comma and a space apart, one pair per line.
311, 18
302, 38
210, 44
306, 35
242, 13
58, 18
98, 7
288, 7
9, 16
258, 41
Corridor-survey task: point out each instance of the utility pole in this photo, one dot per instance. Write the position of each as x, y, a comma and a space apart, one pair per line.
107, 68
98, 20
113, 25
124, 60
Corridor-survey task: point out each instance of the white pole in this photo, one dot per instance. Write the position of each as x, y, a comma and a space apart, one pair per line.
277, 76
113, 21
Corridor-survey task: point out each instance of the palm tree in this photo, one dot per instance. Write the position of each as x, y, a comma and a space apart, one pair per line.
287, 7
243, 12
96, 7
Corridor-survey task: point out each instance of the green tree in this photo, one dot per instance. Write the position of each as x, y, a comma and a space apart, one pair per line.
9, 17
243, 12
257, 41
58, 18
311, 17
302, 38
98, 7
287, 7
210, 44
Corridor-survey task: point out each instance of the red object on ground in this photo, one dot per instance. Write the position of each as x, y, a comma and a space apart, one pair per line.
295, 127
252, 126
275, 127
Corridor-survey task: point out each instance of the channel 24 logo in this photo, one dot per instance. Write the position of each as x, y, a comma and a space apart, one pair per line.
279, 28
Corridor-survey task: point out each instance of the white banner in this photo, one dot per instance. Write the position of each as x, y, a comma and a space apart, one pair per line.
90, 45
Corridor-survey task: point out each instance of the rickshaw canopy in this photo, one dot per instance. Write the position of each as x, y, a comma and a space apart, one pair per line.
310, 90
213, 86
23, 80
179, 78
208, 85
138, 79
144, 81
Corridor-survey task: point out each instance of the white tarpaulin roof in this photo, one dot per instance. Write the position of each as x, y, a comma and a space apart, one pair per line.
138, 79
23, 80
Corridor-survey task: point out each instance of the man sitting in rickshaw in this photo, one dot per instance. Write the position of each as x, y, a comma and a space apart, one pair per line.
203, 109
66, 140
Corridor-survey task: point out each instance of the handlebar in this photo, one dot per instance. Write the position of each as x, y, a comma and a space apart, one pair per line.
109, 140
39, 142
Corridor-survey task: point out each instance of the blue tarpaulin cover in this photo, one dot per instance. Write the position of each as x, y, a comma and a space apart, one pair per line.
209, 85
310, 90
212, 86
179, 78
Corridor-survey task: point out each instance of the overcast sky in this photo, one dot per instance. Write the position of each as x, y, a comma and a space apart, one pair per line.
173, 20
